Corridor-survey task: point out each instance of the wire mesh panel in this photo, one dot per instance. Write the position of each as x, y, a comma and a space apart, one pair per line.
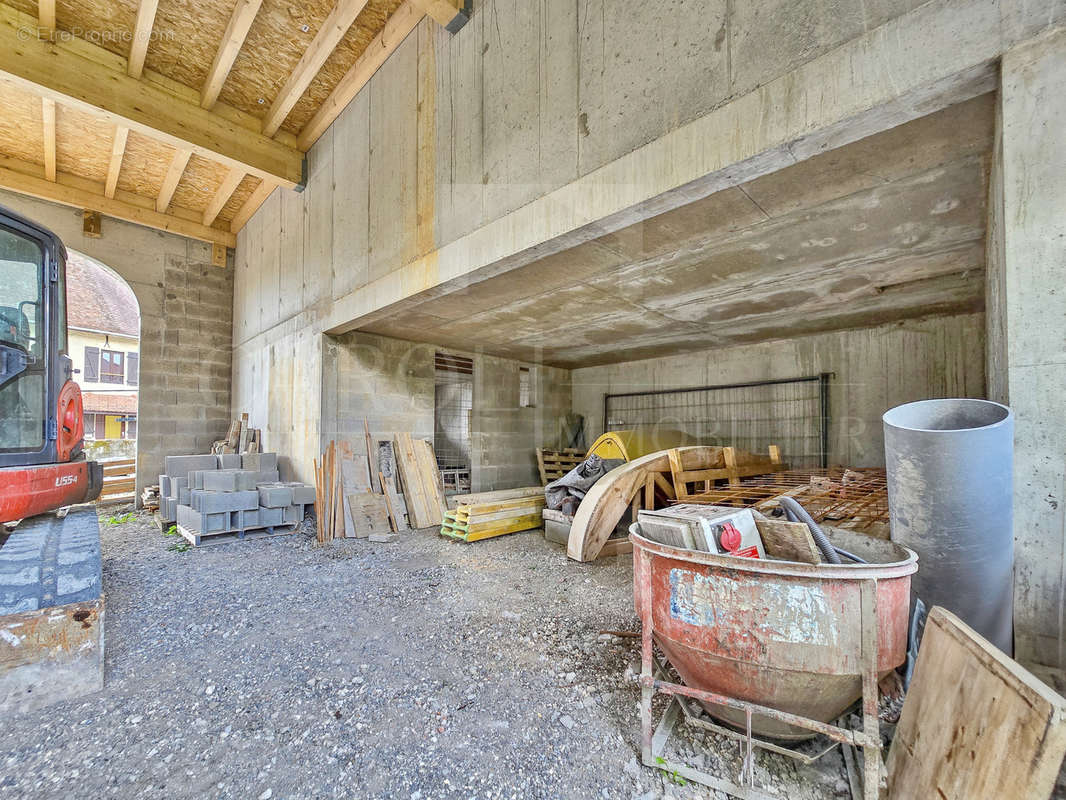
454, 398
793, 414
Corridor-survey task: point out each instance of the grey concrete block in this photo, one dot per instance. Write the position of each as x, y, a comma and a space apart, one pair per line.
230, 480
164, 486
198, 522
183, 465
293, 514
215, 502
302, 493
259, 462
196, 479
270, 516
229, 460
176, 484
274, 496
183, 497
268, 476
249, 519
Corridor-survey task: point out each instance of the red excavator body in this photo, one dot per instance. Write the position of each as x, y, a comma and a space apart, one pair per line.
42, 466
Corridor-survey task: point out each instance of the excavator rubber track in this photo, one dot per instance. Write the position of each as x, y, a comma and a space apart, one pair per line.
51, 610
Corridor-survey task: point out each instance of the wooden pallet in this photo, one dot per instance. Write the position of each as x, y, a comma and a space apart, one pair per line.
222, 537
554, 464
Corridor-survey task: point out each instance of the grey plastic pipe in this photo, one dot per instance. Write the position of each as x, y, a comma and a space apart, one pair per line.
950, 494
792, 508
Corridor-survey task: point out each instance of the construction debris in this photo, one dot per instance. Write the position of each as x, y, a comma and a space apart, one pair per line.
240, 439
975, 723
494, 517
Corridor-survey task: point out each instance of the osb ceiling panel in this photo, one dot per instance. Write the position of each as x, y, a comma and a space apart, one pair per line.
277, 41
367, 25
144, 165
107, 23
186, 36
83, 144
21, 129
199, 183
237, 200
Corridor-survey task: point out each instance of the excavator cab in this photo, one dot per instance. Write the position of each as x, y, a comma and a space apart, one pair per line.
41, 429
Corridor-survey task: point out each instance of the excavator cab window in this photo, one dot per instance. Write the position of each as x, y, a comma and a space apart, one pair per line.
23, 339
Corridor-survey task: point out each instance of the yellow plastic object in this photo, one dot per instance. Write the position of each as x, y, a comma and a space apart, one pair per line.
630, 445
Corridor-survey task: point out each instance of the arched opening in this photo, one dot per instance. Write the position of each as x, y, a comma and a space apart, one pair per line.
104, 326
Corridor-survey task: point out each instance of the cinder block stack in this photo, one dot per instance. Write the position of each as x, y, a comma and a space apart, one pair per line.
229, 493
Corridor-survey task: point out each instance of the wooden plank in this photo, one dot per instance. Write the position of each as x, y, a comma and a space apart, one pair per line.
62, 192
493, 497
240, 22
419, 508
789, 541
370, 514
222, 194
371, 469
432, 483
48, 114
347, 475
975, 723
118, 149
393, 521
142, 36
333, 28
449, 14
82, 76
251, 205
171, 180
46, 18
404, 20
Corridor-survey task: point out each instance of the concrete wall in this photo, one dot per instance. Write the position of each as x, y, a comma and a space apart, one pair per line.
390, 383
874, 370
1031, 349
186, 309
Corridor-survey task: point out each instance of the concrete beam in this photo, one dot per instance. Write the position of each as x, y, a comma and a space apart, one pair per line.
891, 75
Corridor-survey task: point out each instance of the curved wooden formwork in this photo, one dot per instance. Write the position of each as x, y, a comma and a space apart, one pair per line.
650, 482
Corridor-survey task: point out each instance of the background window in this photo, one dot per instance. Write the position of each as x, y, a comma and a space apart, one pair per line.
525, 387
133, 362
112, 366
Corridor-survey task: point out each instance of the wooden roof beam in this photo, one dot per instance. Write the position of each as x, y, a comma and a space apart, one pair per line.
46, 18
450, 14
142, 35
251, 205
223, 194
338, 22
75, 74
48, 113
118, 150
76, 192
404, 20
236, 32
172, 179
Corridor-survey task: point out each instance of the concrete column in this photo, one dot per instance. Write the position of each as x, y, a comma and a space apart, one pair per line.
1028, 290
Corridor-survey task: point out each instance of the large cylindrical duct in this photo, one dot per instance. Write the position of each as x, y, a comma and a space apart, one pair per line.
950, 492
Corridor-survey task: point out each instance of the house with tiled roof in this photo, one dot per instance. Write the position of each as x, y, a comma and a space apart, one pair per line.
104, 323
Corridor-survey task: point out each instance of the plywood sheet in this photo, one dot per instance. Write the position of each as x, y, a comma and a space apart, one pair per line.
21, 131
144, 165
83, 143
275, 44
975, 723
199, 183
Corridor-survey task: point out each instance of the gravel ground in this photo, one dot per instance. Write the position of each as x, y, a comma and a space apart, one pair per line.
425, 668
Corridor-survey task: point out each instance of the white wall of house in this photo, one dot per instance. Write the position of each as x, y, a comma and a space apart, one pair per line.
79, 340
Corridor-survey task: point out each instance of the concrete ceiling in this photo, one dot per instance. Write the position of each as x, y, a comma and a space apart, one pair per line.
888, 228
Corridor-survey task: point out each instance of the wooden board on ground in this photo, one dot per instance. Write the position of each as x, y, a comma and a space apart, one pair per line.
472, 523
370, 514
788, 541
975, 723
